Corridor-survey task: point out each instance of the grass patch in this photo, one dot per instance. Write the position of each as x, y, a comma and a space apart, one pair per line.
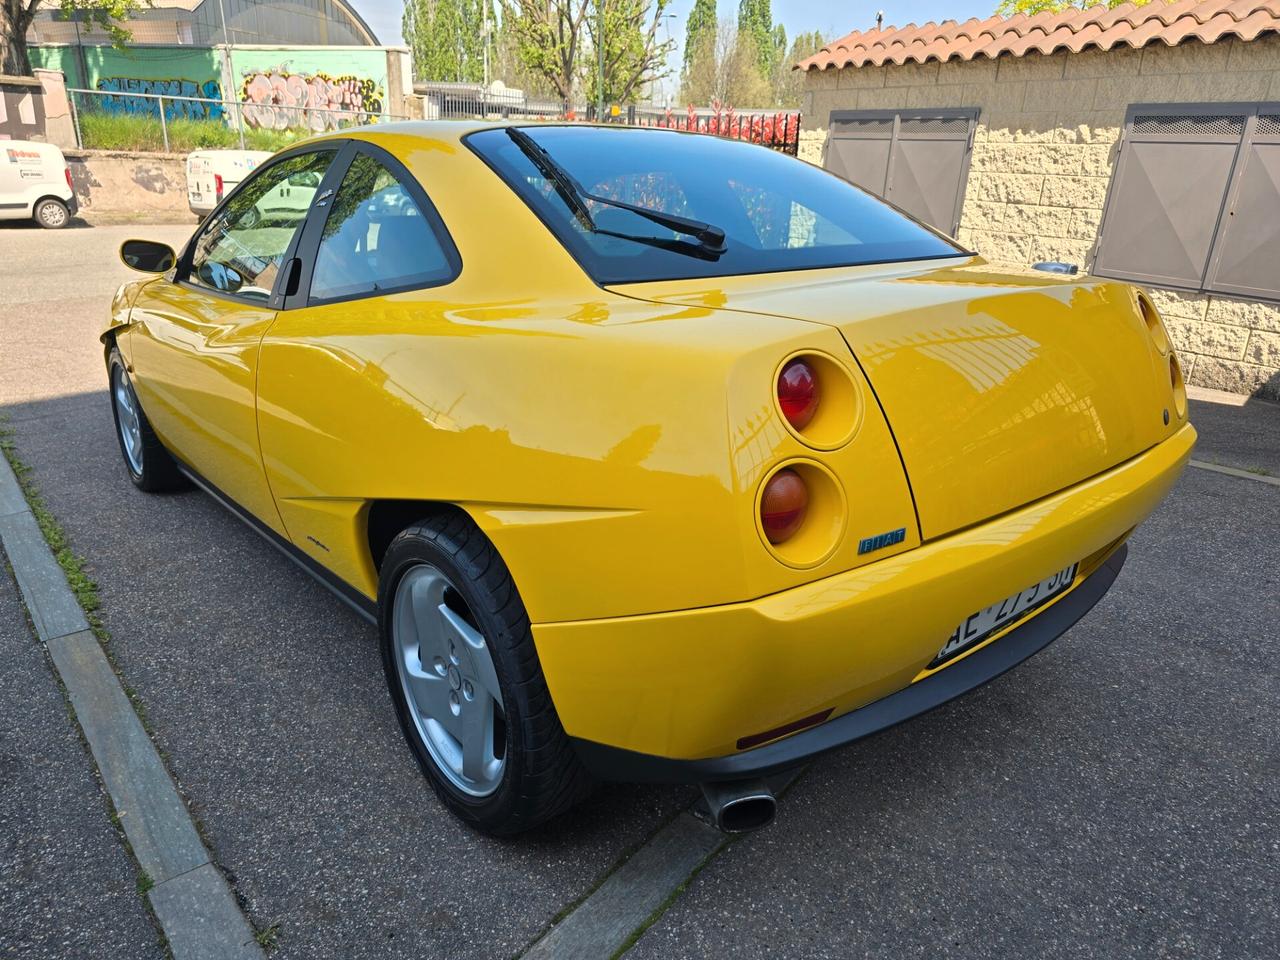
123, 131
72, 564
268, 937
1260, 471
145, 883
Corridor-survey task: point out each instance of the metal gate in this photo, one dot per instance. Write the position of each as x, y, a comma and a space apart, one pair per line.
918, 160
1195, 200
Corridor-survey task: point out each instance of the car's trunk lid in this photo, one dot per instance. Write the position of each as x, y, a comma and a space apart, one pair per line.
1000, 388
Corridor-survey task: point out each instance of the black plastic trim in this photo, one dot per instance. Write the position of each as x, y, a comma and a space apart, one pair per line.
982, 666
357, 601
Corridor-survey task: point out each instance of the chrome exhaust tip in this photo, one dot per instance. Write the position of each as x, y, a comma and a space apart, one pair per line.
738, 806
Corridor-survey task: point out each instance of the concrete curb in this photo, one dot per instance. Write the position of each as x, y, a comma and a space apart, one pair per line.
196, 909
629, 896
1233, 472
637, 893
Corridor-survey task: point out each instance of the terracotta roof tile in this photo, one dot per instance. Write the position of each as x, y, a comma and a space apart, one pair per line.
1074, 30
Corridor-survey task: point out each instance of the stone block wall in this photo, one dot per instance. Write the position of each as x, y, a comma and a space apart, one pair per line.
1043, 155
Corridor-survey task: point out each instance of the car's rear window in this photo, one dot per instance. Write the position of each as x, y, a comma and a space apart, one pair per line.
777, 213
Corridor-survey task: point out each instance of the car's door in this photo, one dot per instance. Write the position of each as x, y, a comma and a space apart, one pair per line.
376, 264
196, 333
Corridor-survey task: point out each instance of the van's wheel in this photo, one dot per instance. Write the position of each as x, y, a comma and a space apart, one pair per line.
466, 683
52, 214
150, 465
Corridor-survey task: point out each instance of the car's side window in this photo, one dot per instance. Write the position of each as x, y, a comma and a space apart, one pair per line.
242, 248
376, 238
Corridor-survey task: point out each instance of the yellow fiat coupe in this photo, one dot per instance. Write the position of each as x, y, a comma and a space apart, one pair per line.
654, 456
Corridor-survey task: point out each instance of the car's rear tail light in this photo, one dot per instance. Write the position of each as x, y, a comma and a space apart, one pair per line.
1179, 387
798, 394
70, 185
1155, 327
217, 185
783, 506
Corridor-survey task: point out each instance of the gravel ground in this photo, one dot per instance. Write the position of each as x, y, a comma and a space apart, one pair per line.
67, 886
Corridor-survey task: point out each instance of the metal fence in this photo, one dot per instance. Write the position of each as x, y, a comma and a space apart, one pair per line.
474, 101
105, 117
465, 101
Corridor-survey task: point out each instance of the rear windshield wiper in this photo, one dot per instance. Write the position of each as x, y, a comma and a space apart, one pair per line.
710, 238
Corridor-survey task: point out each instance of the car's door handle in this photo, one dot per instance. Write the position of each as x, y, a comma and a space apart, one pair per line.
292, 276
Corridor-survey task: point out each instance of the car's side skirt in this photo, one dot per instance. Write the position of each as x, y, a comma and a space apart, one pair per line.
357, 601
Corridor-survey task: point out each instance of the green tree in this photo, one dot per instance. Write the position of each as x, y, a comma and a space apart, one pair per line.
447, 38
1008, 8
755, 26
16, 17
788, 83
702, 25
633, 54
547, 36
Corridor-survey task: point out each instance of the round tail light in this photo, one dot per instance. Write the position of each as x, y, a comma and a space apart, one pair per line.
798, 393
783, 505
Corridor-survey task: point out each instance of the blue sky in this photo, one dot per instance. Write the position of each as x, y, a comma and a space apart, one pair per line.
833, 19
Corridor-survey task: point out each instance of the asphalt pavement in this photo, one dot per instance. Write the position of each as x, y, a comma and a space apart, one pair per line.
1117, 795
67, 885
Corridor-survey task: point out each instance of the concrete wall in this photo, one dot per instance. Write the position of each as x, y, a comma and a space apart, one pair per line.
1043, 155
123, 187
36, 108
277, 82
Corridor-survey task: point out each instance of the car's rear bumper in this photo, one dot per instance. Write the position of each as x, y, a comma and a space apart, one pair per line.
985, 664
717, 683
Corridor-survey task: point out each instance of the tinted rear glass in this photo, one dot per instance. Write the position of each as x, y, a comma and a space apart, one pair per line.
777, 213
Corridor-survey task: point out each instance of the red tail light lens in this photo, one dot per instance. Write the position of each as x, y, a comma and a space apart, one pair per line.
798, 393
217, 185
70, 186
783, 505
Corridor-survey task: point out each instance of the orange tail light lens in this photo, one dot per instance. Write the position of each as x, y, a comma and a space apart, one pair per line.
783, 506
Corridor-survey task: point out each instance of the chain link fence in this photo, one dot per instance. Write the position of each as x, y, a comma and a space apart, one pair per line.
111, 120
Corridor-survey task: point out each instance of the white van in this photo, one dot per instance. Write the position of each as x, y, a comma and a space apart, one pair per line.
35, 183
212, 174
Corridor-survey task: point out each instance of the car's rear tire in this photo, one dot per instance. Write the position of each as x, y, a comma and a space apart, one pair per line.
150, 465
466, 682
51, 214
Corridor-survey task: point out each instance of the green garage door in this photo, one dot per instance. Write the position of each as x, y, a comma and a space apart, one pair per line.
917, 160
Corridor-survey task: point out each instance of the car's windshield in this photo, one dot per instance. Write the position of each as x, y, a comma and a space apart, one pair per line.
777, 213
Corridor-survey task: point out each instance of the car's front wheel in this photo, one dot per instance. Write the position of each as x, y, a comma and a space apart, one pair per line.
150, 465
465, 679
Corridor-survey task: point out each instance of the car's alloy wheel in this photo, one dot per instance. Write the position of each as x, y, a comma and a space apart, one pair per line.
52, 214
465, 680
449, 681
127, 420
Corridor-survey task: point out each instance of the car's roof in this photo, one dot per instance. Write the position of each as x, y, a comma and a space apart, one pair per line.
455, 130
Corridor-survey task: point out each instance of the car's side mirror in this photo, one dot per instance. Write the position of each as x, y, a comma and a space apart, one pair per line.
149, 256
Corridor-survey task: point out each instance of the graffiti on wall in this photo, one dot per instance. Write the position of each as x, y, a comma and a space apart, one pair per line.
125, 97
276, 99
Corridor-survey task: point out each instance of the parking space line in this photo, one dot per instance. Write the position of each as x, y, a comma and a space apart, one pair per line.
196, 909
1234, 472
